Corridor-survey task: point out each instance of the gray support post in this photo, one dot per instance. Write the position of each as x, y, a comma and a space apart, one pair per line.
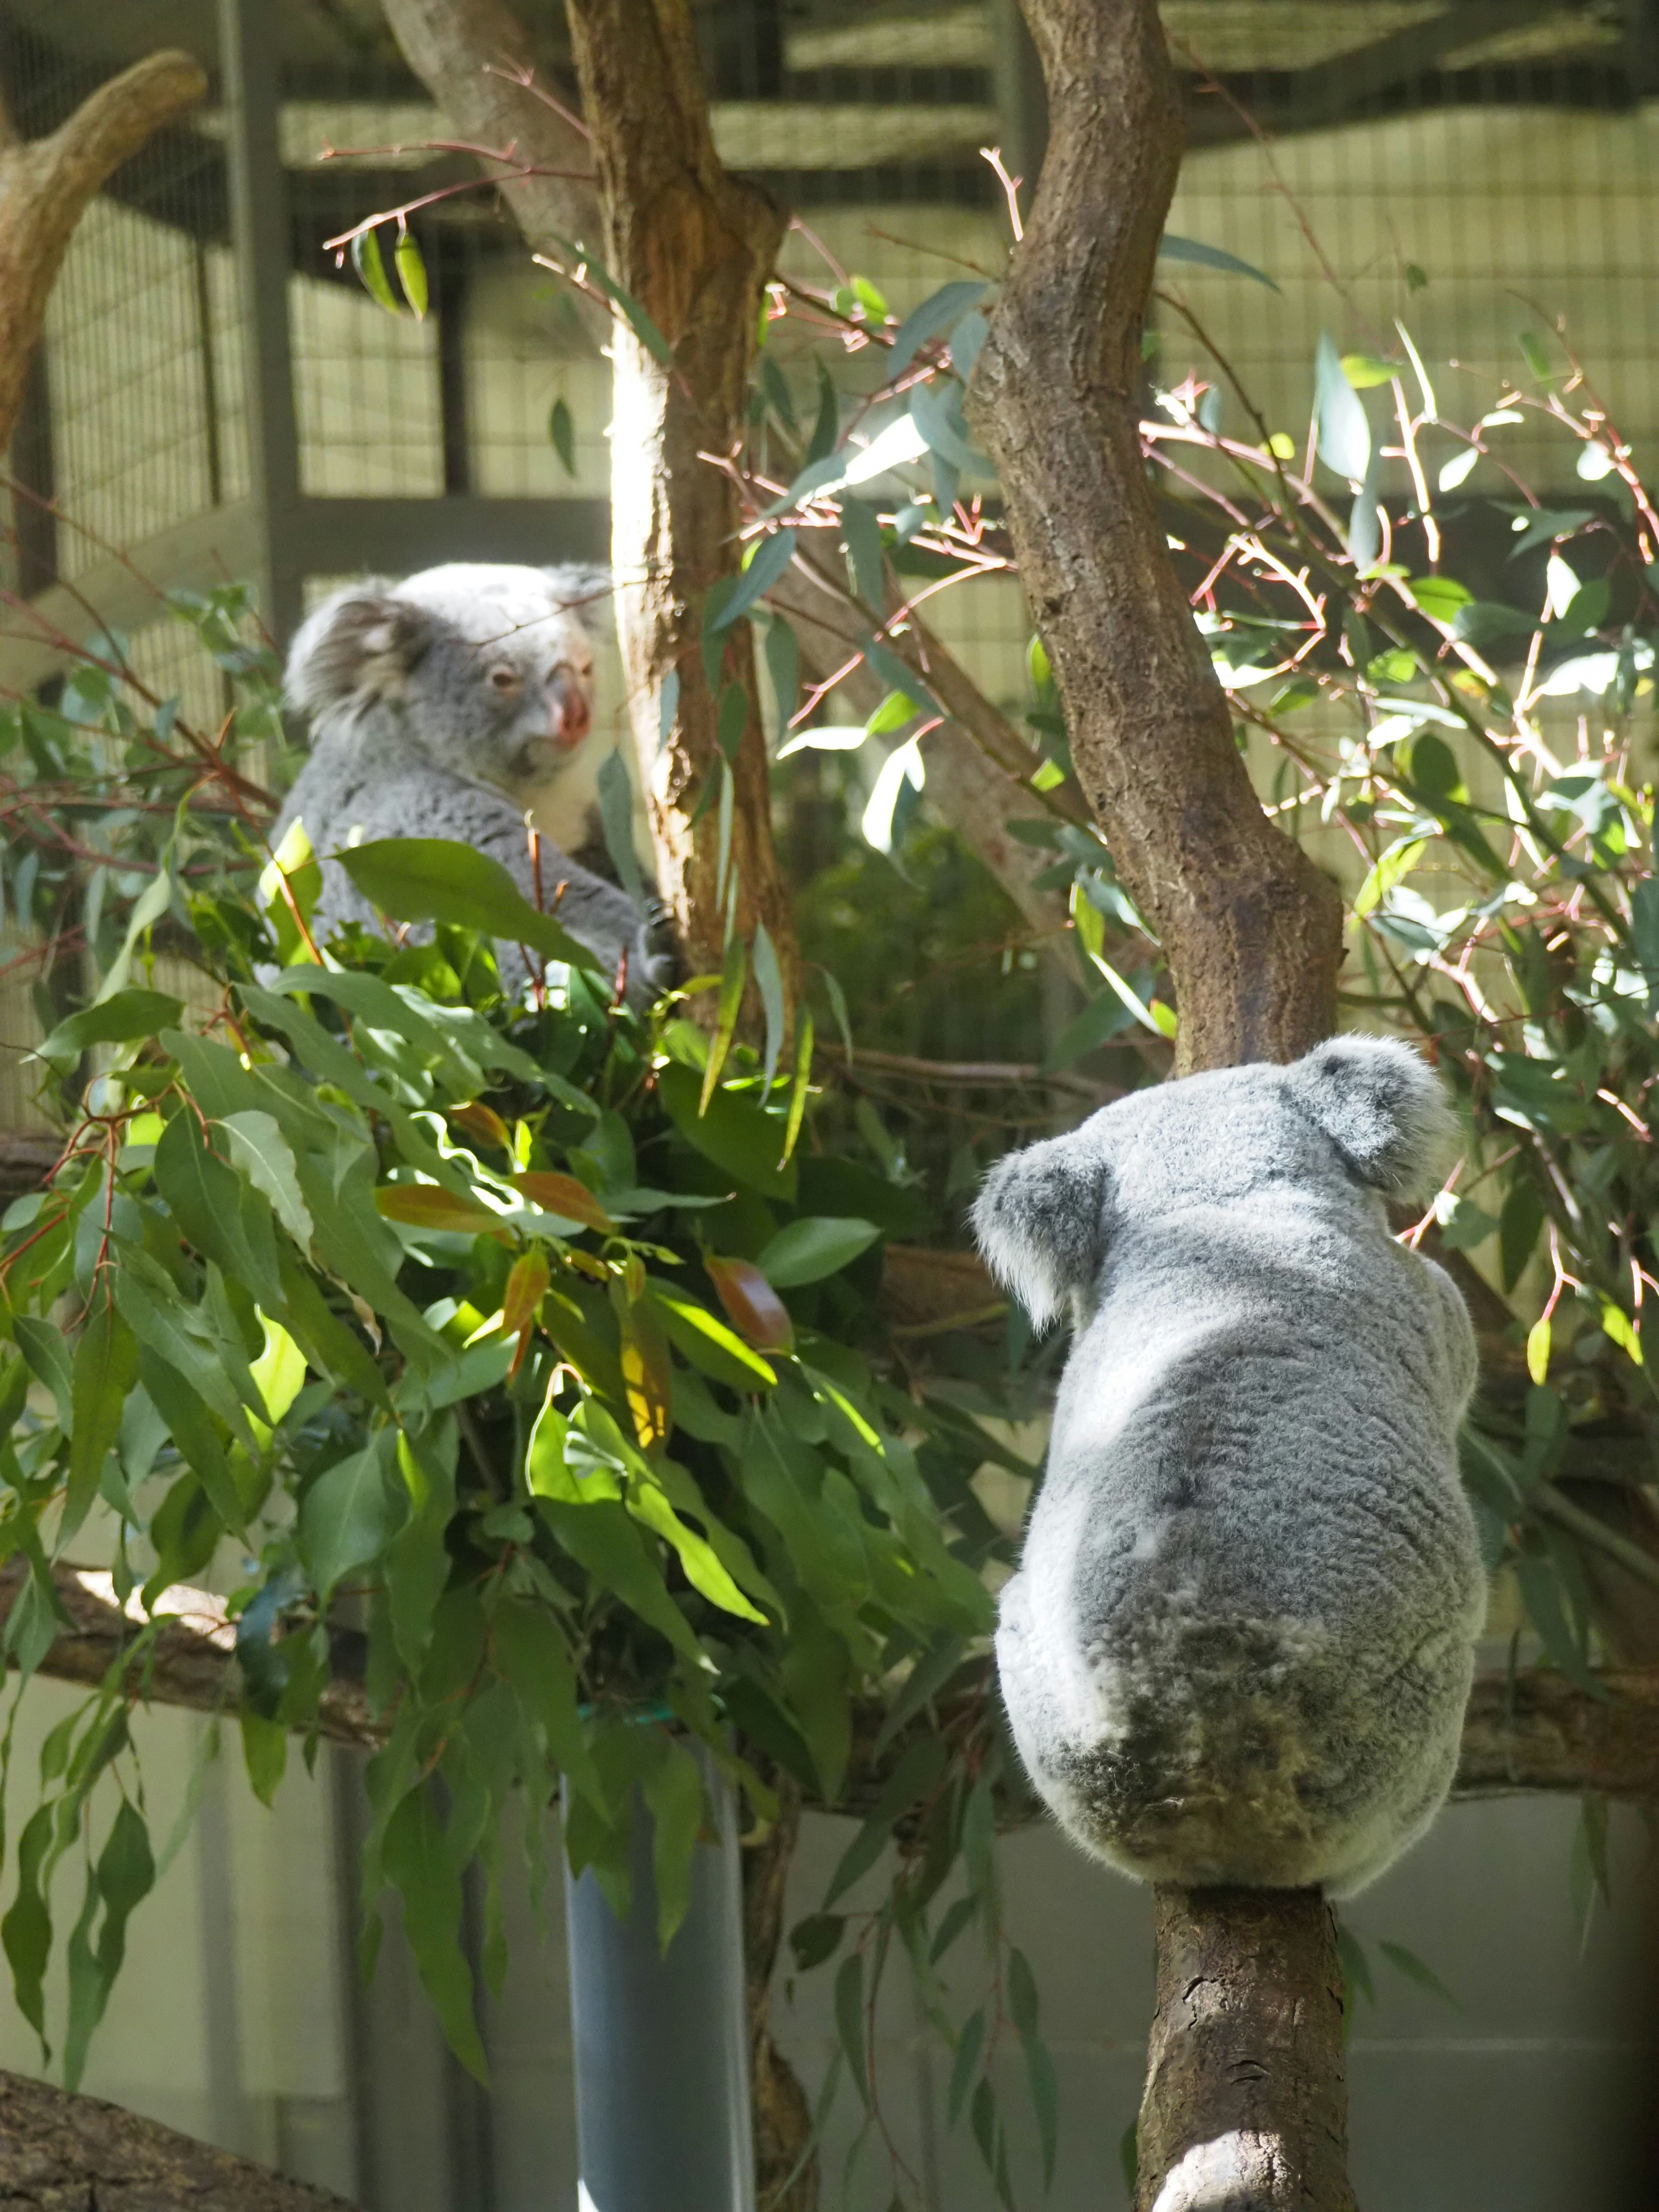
662, 2043
250, 78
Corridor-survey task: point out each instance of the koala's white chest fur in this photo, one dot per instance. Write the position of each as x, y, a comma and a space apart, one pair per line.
1239, 1645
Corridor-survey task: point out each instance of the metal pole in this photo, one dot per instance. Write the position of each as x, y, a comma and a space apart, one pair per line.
250, 79
662, 2043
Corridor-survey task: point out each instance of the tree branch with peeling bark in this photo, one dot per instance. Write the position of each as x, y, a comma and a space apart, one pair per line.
47, 184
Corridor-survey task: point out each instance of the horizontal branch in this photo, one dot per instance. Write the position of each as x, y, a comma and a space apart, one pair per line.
1532, 1731
59, 2151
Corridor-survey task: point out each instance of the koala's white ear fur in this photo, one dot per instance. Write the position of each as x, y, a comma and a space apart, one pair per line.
1385, 1110
360, 641
1038, 1220
586, 592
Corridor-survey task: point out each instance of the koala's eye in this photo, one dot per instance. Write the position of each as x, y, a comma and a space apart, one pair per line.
504, 682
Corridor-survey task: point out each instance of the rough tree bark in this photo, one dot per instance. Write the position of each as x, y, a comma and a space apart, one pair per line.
1251, 928
1252, 932
695, 247
59, 2152
47, 184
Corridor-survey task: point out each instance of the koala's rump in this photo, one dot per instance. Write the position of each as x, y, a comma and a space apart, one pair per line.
1240, 1644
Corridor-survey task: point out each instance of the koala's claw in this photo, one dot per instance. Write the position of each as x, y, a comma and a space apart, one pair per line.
656, 948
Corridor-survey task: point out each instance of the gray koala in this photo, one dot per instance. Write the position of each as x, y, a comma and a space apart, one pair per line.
1239, 1645
446, 706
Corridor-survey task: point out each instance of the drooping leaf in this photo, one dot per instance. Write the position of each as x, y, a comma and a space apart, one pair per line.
370, 264
1345, 435
1193, 250
349, 1513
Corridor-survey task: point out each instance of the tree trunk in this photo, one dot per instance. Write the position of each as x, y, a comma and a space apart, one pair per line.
474, 57
45, 188
1251, 929
695, 247
60, 2153
1247, 2096
1245, 2072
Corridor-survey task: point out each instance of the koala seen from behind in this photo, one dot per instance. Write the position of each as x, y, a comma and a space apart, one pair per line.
447, 706
1240, 1642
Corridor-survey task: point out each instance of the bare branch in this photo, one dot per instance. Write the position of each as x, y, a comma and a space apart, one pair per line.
45, 188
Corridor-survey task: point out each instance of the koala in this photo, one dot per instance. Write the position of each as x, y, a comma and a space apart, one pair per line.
1240, 1642
447, 706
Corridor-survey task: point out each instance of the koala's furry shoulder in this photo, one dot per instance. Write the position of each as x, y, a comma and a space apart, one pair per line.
1240, 1643
449, 705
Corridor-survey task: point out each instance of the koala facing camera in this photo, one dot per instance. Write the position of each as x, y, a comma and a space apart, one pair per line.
448, 705
1240, 1643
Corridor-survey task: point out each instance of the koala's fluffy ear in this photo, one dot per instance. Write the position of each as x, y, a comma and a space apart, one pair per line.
588, 593
360, 642
1039, 1220
1385, 1110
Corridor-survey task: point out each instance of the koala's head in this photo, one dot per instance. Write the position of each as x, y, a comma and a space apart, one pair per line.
488, 669
1362, 1110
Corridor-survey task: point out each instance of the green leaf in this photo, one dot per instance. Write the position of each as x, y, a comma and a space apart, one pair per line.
105, 1365
615, 796
26, 1931
936, 410
769, 980
815, 1939
1486, 621
1345, 435
601, 1538
1171, 248
849, 2022
265, 1752
861, 532
528, 1649
117, 1020
965, 2065
1644, 933
733, 979
416, 1859
807, 1250
739, 1137
561, 435
1439, 598
366, 260
769, 561
1393, 867
124, 1876
435, 879
636, 316
937, 313
214, 1209
1416, 1970
349, 1515
783, 667
707, 1343
672, 1789
411, 273
48, 1357
259, 1151
1364, 370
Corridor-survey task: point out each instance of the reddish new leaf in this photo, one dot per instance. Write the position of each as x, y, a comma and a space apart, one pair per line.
753, 1307
562, 1195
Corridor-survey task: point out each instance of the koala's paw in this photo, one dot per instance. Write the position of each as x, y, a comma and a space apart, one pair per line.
656, 949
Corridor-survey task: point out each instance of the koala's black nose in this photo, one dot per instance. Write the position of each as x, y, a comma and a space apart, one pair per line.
571, 716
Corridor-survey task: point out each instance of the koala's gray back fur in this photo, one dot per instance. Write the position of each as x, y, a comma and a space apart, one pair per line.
1240, 1643
409, 741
